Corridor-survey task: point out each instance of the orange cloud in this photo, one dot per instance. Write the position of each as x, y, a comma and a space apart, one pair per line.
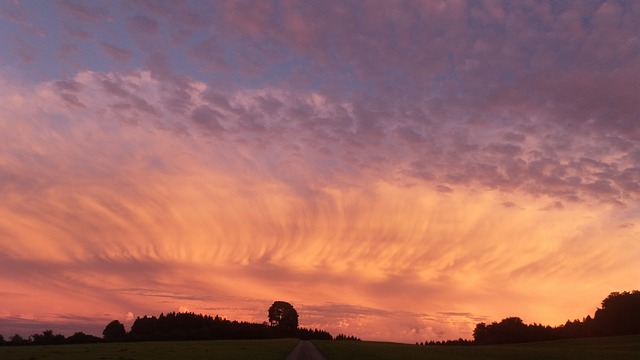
109, 212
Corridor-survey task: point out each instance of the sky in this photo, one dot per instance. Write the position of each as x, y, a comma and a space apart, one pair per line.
396, 170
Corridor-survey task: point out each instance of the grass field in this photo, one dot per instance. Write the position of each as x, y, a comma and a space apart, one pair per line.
187, 350
614, 348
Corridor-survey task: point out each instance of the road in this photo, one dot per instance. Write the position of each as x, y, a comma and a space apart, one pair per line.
305, 350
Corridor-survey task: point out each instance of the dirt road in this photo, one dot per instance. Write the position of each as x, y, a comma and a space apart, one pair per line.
305, 350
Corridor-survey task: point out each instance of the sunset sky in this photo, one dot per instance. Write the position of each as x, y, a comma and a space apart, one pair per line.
396, 170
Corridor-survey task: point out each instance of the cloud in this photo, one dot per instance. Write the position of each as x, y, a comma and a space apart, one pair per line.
205, 117
394, 170
142, 25
116, 52
83, 12
210, 53
509, 204
443, 188
138, 202
23, 50
581, 169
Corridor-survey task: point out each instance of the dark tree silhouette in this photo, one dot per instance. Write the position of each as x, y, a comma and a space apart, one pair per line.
82, 338
189, 326
513, 330
17, 339
283, 315
481, 334
146, 327
114, 331
315, 334
619, 315
509, 330
345, 337
47, 338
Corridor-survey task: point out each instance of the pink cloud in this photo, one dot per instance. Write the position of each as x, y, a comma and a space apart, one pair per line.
248, 17
211, 54
13, 12
141, 25
206, 119
77, 33
116, 52
23, 51
82, 11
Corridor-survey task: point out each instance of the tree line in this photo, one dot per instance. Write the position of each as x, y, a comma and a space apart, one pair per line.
619, 314
283, 323
347, 337
190, 326
49, 338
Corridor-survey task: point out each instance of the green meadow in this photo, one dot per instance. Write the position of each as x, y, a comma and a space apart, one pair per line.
623, 347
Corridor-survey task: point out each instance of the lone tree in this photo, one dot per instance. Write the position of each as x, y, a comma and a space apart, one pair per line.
114, 331
283, 315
